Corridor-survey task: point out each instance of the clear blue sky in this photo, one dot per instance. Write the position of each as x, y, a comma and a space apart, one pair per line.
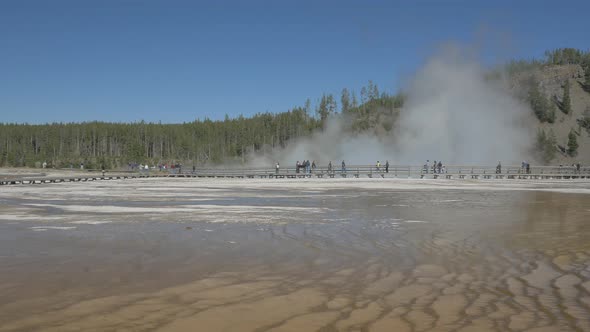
175, 61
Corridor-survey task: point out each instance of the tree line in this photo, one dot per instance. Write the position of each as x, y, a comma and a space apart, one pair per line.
116, 144
235, 139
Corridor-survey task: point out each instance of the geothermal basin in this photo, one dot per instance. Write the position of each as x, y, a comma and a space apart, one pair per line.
174, 254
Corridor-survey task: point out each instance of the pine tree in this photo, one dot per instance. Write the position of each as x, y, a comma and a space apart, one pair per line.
345, 101
572, 144
322, 110
538, 102
355, 103
551, 111
371, 91
363, 95
307, 106
332, 106
584, 121
566, 103
587, 77
545, 145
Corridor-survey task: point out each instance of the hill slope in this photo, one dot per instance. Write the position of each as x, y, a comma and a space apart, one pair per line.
551, 81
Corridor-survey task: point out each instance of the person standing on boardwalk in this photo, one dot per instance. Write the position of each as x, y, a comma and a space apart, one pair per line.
277, 168
378, 165
330, 167
387, 166
343, 167
499, 168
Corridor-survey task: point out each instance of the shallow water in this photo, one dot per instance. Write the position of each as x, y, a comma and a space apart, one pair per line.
329, 255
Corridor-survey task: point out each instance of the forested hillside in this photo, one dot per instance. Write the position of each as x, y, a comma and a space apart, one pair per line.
557, 88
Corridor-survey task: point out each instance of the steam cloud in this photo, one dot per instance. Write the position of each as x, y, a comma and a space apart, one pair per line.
453, 113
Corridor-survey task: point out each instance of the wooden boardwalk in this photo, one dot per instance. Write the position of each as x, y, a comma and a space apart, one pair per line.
363, 171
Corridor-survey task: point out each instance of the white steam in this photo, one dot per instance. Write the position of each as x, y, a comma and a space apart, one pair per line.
452, 113
333, 144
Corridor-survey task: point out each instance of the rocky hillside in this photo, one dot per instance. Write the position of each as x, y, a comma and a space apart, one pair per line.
552, 81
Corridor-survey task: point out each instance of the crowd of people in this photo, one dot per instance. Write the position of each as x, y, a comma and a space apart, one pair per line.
305, 166
437, 167
309, 167
175, 168
525, 167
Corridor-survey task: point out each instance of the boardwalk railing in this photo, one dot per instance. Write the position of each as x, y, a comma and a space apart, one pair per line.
394, 170
353, 171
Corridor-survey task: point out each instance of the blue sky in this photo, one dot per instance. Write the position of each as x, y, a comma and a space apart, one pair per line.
175, 61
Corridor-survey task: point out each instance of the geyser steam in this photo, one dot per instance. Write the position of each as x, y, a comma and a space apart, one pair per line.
453, 113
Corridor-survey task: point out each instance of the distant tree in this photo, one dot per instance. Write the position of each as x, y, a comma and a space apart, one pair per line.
587, 77
307, 106
370, 91
551, 112
584, 121
345, 101
322, 109
572, 144
363, 95
566, 103
331, 104
550, 146
539, 103
564, 56
518, 66
546, 145
354, 102
373, 91
326, 107
398, 100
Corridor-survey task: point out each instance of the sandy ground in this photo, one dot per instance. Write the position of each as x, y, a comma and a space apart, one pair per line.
295, 255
